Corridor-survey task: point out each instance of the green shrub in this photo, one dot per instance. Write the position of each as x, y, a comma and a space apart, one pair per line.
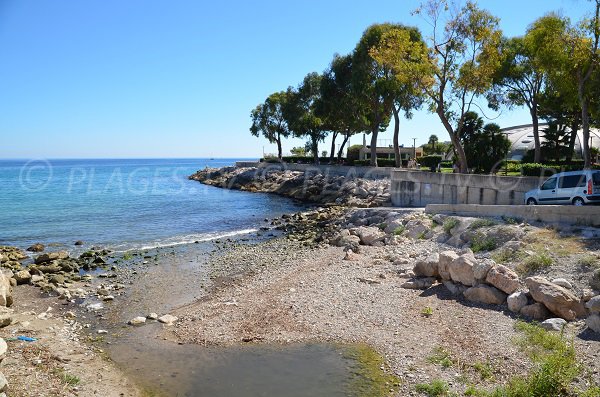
479, 223
380, 163
430, 162
534, 262
353, 153
449, 224
399, 230
480, 242
441, 356
436, 388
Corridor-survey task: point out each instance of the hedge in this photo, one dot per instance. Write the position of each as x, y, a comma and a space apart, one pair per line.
380, 163
430, 162
549, 169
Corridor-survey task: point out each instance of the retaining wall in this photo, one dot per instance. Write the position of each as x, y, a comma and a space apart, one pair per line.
332, 170
585, 216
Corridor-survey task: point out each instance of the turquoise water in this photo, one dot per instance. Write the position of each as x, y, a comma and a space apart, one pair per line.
123, 204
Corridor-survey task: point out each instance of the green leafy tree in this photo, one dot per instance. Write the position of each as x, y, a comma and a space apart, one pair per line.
268, 119
463, 56
301, 113
556, 140
298, 151
432, 142
485, 146
340, 110
403, 51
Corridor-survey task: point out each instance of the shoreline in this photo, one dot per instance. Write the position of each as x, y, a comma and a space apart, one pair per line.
315, 284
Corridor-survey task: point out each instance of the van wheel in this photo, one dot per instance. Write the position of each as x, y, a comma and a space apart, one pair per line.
578, 201
531, 201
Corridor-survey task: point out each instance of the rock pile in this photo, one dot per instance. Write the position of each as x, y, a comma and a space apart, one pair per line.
314, 188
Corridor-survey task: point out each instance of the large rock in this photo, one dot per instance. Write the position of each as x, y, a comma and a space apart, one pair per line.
461, 270
516, 301
454, 288
51, 256
594, 304
369, 235
593, 322
167, 319
485, 294
446, 257
427, 267
6, 298
482, 268
536, 311
23, 277
36, 248
503, 278
3, 348
557, 299
553, 324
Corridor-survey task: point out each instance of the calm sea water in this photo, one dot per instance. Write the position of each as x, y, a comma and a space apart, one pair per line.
123, 204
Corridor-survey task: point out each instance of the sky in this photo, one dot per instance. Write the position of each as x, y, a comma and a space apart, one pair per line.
160, 79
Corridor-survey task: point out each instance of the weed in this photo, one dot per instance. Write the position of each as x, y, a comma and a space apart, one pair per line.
436, 388
511, 221
66, 377
399, 230
589, 261
485, 370
479, 223
504, 256
422, 235
382, 225
534, 262
441, 356
127, 256
427, 311
449, 224
479, 242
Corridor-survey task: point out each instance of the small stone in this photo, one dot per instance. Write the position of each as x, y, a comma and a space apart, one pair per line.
137, 320
563, 283
167, 319
419, 283
152, 316
78, 242
36, 278
102, 332
108, 298
553, 324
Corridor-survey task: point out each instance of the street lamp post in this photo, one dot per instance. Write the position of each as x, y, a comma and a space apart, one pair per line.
415, 148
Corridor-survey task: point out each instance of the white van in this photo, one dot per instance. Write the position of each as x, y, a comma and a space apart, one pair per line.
575, 187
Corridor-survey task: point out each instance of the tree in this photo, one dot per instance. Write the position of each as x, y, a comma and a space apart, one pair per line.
433, 140
301, 115
298, 151
267, 118
402, 51
463, 57
374, 83
556, 140
485, 146
339, 108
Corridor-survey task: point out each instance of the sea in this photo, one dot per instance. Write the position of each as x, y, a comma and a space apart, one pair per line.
124, 204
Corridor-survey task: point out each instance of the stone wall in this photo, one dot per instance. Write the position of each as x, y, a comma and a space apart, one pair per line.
419, 188
585, 216
331, 170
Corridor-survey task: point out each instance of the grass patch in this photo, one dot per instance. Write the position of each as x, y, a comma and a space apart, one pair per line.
66, 377
427, 311
511, 221
551, 241
534, 263
382, 226
435, 388
485, 370
399, 230
480, 242
589, 261
479, 223
449, 224
368, 377
422, 235
504, 256
441, 356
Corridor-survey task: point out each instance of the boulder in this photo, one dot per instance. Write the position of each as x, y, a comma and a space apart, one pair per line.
51, 256
536, 311
593, 322
167, 319
427, 267
503, 278
78, 242
36, 248
593, 305
516, 301
446, 257
557, 299
553, 324
369, 235
461, 270
485, 294
23, 277
481, 269
419, 283
563, 283
6, 298
455, 289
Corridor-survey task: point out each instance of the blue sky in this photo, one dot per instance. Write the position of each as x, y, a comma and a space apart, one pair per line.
149, 78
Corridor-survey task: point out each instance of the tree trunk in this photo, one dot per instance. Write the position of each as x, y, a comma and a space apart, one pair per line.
279, 152
455, 139
341, 151
537, 152
396, 133
585, 124
315, 149
573, 137
332, 153
374, 134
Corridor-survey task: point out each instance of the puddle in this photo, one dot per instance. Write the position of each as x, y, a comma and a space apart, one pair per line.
254, 371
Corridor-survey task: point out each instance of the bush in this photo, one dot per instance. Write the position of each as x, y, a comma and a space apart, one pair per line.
549, 169
534, 263
430, 162
449, 224
380, 163
437, 388
480, 242
353, 153
447, 164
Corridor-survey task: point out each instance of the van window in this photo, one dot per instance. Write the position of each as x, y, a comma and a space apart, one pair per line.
596, 178
571, 181
549, 184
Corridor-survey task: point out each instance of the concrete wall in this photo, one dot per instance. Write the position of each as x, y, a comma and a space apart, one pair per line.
419, 188
331, 170
585, 216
